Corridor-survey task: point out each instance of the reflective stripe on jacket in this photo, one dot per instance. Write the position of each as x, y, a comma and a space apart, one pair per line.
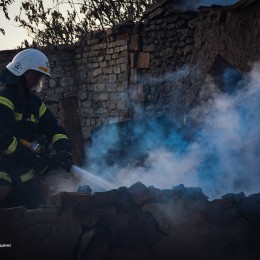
23, 117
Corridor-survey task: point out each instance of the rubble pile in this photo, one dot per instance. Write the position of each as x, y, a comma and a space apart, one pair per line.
135, 223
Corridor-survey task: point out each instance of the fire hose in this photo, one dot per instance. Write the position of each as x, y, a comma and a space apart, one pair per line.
39, 150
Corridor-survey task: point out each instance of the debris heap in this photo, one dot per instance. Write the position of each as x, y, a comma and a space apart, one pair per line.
135, 223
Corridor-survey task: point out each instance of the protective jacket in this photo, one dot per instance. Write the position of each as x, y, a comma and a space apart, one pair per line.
23, 117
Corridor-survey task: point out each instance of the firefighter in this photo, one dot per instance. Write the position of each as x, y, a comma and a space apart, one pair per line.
23, 116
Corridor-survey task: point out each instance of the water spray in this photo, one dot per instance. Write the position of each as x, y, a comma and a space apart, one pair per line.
91, 178
88, 177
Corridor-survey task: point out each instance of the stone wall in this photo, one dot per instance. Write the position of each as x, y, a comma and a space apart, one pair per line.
181, 47
102, 69
149, 69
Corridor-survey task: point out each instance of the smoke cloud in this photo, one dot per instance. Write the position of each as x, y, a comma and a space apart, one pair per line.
194, 4
223, 155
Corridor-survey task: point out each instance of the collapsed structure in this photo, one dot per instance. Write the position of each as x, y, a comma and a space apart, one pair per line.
135, 71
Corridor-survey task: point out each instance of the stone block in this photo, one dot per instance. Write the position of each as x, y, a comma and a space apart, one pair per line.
121, 42
111, 87
121, 87
66, 81
188, 49
123, 67
103, 78
108, 70
110, 51
103, 64
117, 49
87, 104
116, 70
101, 58
114, 96
100, 87
97, 72
111, 105
123, 77
121, 60
103, 96
111, 45
112, 78
150, 48
123, 54
112, 63
108, 57
52, 83
121, 105
123, 48
115, 56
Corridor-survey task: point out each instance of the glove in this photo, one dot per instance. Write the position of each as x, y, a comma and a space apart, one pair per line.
64, 160
42, 165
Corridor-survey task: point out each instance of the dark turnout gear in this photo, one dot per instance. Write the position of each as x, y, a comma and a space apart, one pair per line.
22, 117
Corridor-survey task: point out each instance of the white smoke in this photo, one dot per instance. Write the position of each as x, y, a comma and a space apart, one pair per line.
224, 156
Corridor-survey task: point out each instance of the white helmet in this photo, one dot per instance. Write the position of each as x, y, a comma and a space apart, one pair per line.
29, 59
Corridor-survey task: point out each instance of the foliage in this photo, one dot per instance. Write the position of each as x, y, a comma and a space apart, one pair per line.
50, 25
4, 8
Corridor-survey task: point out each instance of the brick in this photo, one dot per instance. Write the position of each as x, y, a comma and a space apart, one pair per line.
123, 48
121, 60
117, 49
143, 60
115, 56
111, 45
121, 42
110, 51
